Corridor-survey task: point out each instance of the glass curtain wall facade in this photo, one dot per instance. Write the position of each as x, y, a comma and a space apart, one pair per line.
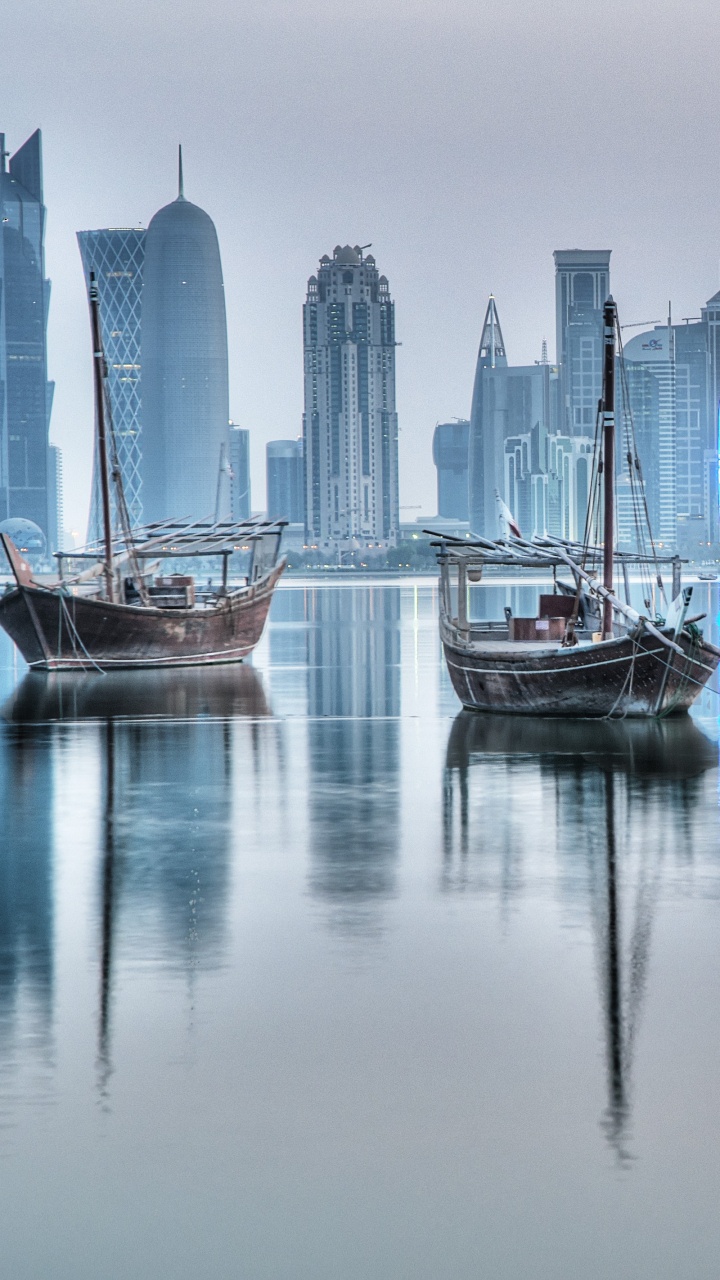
116, 256
350, 420
184, 364
25, 393
516, 423
450, 454
484, 465
239, 449
56, 504
285, 480
649, 361
710, 315
582, 286
692, 439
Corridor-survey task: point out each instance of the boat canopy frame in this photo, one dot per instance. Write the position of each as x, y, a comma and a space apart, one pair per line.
180, 538
540, 553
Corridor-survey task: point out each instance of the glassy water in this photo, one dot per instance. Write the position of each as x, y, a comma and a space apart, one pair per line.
306, 974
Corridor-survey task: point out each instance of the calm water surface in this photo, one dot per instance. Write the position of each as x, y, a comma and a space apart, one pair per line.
305, 974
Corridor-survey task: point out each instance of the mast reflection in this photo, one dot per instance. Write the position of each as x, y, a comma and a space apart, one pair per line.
623, 793
109, 873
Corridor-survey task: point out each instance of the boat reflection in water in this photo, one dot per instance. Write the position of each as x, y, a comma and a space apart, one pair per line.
129, 695
625, 797
166, 743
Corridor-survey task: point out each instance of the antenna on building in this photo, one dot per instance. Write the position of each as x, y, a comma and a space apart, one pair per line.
543, 352
3, 153
181, 193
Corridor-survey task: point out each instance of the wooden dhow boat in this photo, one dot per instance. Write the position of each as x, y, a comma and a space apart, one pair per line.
586, 652
114, 611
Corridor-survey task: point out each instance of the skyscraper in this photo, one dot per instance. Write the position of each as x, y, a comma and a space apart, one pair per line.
184, 363
116, 255
711, 318
25, 393
649, 362
56, 513
582, 285
450, 455
491, 355
513, 421
350, 423
695, 450
239, 448
285, 480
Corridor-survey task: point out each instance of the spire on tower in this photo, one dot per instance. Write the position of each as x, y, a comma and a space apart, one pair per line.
492, 346
181, 193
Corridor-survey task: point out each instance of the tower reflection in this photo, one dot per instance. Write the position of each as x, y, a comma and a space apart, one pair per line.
26, 899
353, 752
623, 795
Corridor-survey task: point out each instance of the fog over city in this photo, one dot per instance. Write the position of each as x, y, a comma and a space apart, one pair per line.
465, 141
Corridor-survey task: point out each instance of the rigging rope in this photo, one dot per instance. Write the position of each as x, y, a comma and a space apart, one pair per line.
638, 494
120, 502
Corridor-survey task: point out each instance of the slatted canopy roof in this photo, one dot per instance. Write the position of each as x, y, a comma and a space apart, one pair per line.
165, 538
539, 553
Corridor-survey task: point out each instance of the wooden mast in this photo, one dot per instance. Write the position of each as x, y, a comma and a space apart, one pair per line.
99, 375
608, 426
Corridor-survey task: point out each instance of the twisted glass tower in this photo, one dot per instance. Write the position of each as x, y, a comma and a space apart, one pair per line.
185, 363
116, 256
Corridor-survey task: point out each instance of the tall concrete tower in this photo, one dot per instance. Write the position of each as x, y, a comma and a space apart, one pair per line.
184, 363
350, 423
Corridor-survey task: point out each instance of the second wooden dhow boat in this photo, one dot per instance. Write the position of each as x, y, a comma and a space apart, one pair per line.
586, 652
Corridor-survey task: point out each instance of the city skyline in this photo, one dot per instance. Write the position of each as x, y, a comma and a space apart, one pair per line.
682, 488
441, 100
71, 501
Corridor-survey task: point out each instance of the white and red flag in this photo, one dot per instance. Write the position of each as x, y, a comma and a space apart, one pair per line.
507, 518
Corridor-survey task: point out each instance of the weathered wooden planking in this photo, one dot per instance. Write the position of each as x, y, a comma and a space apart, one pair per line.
57, 632
616, 677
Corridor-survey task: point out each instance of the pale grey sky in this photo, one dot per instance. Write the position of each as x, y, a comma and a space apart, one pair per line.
466, 140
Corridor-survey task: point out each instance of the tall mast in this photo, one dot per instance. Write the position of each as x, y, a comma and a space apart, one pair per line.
99, 375
608, 423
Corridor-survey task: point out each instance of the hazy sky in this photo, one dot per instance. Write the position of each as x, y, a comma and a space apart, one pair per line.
465, 140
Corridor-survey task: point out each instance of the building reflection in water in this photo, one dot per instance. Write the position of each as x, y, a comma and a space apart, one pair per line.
165, 742
26, 903
353, 658
625, 795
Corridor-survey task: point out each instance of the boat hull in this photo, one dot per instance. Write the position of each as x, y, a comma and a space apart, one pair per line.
57, 632
620, 677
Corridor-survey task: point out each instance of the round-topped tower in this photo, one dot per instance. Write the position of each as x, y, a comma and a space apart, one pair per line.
184, 363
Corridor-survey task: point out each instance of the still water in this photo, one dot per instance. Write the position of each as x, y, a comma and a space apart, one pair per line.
305, 975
